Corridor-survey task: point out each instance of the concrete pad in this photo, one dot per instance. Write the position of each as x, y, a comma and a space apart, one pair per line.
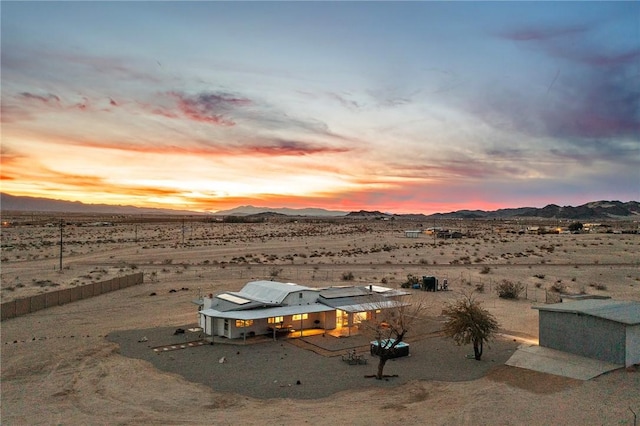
551, 361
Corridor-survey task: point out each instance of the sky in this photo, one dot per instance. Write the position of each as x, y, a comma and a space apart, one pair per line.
402, 107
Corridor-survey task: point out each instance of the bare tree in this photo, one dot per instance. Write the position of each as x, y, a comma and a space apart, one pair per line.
468, 323
389, 324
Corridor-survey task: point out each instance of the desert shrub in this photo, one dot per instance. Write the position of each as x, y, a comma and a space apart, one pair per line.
558, 287
485, 270
347, 276
411, 280
540, 276
509, 289
538, 285
274, 272
480, 287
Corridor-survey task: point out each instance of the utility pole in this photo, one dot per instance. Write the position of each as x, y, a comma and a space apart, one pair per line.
435, 233
61, 226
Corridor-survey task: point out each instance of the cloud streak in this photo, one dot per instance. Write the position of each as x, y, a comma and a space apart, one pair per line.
209, 107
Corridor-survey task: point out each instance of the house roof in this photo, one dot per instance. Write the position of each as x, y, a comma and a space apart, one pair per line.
268, 312
625, 312
339, 292
240, 301
371, 306
269, 291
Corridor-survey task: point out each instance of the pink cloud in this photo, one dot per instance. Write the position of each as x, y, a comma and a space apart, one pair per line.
209, 107
48, 98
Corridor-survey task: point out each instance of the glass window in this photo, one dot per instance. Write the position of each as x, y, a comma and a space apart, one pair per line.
244, 323
300, 317
275, 320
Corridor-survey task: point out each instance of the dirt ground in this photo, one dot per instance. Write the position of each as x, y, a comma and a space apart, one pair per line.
71, 364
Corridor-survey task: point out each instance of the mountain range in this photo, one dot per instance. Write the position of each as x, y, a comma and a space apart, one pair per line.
595, 210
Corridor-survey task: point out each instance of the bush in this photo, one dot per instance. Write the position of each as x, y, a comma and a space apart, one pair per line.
558, 287
411, 280
274, 272
347, 276
485, 270
509, 289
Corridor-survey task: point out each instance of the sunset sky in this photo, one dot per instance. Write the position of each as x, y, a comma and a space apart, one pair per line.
411, 107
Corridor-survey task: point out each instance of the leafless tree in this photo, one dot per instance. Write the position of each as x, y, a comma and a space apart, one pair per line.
390, 321
467, 322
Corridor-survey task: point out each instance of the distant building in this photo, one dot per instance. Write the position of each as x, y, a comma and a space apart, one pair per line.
412, 234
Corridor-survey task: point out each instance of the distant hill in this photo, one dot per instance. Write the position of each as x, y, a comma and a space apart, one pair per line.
595, 210
33, 204
363, 214
251, 210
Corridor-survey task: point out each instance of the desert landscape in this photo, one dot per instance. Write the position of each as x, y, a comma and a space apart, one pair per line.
70, 364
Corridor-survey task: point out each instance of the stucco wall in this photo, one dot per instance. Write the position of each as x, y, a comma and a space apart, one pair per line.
633, 345
583, 335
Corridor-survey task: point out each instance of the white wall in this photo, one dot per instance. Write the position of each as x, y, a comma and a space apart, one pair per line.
305, 297
632, 345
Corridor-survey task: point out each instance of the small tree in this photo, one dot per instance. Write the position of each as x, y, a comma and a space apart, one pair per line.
509, 289
468, 323
576, 227
389, 326
411, 280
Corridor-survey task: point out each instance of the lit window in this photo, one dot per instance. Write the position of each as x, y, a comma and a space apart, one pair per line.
244, 323
300, 317
275, 320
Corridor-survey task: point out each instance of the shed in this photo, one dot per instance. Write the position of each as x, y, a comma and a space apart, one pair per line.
607, 330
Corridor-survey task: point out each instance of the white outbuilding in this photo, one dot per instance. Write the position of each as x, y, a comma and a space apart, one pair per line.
607, 330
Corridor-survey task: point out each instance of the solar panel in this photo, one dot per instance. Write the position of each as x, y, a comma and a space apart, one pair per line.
233, 299
380, 289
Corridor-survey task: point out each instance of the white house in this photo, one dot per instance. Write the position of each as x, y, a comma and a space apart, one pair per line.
269, 308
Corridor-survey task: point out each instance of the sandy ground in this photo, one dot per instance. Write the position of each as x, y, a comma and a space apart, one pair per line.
71, 364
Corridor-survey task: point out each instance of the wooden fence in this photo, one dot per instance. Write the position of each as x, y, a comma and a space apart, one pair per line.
26, 305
